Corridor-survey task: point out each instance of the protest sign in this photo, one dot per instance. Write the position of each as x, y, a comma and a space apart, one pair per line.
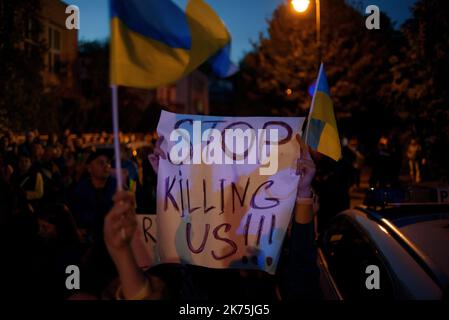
226, 190
145, 240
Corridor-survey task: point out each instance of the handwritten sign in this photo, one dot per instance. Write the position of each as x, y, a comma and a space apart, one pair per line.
226, 190
144, 243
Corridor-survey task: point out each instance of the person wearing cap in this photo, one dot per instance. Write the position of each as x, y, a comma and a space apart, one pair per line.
92, 197
90, 201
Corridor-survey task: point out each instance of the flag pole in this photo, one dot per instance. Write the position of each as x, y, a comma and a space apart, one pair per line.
115, 129
313, 102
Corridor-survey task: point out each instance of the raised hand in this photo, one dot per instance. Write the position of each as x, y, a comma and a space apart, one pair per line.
120, 223
306, 170
157, 152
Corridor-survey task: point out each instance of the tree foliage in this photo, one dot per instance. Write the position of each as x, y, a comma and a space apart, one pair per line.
381, 80
93, 113
356, 60
420, 87
20, 63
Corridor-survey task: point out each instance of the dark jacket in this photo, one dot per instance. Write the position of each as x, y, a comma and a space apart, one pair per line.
297, 276
89, 205
301, 276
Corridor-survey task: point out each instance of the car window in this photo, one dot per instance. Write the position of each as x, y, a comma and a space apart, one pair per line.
349, 252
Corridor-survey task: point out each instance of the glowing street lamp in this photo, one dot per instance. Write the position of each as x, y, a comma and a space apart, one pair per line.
300, 5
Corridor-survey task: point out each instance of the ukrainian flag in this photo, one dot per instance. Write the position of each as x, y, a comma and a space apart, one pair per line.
322, 133
155, 42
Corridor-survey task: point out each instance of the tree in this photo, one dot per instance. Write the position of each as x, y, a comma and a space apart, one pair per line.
420, 81
276, 75
94, 111
20, 63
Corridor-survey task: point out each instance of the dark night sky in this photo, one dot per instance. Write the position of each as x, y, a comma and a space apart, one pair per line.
244, 18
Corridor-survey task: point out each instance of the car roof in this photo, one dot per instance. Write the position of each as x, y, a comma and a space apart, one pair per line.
432, 237
405, 214
422, 229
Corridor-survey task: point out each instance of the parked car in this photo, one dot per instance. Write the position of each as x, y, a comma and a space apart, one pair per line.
407, 241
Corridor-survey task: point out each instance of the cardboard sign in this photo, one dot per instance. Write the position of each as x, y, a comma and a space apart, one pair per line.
226, 190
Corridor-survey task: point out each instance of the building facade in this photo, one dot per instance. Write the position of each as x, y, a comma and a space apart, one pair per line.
190, 95
62, 44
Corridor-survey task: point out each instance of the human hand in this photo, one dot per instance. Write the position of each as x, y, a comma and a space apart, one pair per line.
157, 152
306, 170
120, 224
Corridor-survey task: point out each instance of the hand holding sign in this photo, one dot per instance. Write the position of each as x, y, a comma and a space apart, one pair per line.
304, 210
305, 169
226, 189
157, 152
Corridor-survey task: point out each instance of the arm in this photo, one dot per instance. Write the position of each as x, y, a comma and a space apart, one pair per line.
119, 229
302, 271
120, 226
302, 280
157, 152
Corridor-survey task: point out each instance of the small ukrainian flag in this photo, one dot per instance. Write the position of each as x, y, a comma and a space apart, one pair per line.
321, 132
155, 42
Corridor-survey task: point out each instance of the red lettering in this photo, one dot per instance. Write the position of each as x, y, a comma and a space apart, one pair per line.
168, 195
235, 191
206, 209
188, 199
276, 201
231, 243
189, 241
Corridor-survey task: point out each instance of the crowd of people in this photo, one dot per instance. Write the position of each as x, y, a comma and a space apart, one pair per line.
57, 190
55, 194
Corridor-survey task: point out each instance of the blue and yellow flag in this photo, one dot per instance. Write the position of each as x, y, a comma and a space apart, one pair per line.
155, 42
321, 132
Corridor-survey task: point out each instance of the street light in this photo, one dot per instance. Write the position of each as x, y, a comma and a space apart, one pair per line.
302, 6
